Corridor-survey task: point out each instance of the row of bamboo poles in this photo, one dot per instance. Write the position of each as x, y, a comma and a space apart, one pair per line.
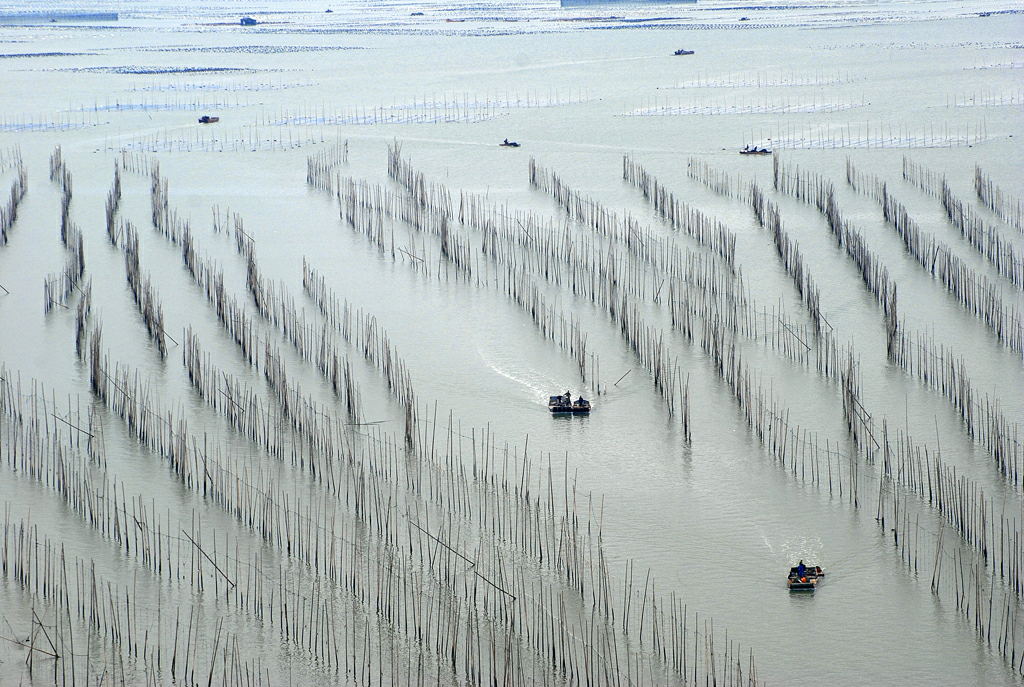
224, 480
974, 291
418, 556
19, 186
981, 234
910, 468
708, 232
127, 395
934, 364
640, 337
764, 412
1008, 208
58, 287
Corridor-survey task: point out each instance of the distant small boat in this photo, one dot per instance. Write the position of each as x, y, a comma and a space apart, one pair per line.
807, 582
755, 151
509, 144
683, 51
207, 119
248, 21
561, 404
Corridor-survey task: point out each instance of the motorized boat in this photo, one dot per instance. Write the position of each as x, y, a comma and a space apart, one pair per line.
683, 51
562, 404
509, 144
755, 151
207, 119
807, 582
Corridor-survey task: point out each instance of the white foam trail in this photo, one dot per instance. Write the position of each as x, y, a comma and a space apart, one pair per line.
539, 391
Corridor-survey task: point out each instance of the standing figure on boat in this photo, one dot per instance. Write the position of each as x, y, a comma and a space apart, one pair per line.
568, 397
801, 569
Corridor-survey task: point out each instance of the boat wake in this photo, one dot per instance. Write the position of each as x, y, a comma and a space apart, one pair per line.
539, 388
803, 548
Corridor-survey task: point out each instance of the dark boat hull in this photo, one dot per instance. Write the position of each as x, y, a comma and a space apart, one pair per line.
559, 406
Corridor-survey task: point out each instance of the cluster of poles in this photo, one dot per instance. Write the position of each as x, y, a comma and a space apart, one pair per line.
215, 138
394, 557
436, 553
816, 190
768, 80
163, 105
973, 558
1007, 207
975, 292
765, 106
64, 121
973, 227
983, 575
19, 186
934, 364
872, 135
58, 287
447, 108
232, 86
321, 168
986, 99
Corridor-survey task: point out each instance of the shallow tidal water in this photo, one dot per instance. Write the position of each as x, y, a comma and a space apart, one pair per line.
715, 519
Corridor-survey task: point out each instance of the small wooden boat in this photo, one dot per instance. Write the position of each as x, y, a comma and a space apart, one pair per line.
207, 119
508, 144
561, 404
756, 151
807, 582
683, 51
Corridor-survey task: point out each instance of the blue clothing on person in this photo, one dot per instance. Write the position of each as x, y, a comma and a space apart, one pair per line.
801, 569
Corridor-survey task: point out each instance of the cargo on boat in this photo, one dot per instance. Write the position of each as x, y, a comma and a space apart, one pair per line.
807, 581
565, 404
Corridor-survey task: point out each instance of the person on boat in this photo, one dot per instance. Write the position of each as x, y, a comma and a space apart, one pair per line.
505, 142
801, 570
568, 397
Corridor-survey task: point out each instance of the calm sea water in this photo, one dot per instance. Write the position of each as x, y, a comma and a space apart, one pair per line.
715, 520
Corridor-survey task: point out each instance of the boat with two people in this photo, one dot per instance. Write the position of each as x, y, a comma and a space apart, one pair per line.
683, 51
565, 404
754, 150
509, 144
207, 119
804, 578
